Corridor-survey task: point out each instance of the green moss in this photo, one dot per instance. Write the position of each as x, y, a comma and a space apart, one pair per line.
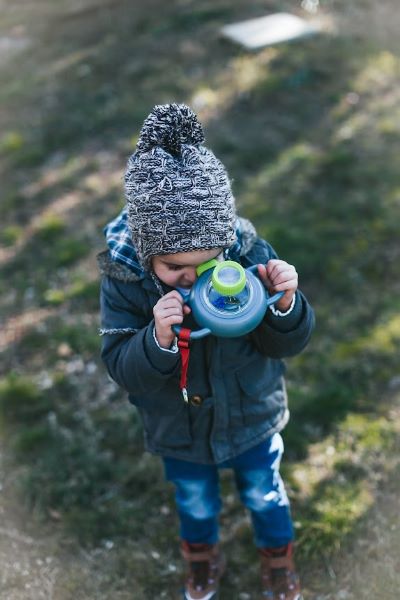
336, 508
31, 440
34, 342
67, 251
21, 401
367, 432
81, 338
383, 339
10, 235
11, 142
50, 228
54, 297
81, 292
85, 293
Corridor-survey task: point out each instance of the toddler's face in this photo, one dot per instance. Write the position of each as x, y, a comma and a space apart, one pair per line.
179, 270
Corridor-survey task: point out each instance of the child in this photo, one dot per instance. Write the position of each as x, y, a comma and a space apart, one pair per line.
180, 213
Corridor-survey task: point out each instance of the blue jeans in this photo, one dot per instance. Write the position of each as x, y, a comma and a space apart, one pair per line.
259, 485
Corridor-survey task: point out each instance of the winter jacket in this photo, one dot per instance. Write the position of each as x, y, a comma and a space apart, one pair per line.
235, 385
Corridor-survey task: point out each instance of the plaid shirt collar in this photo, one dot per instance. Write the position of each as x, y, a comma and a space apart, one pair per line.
122, 250
120, 244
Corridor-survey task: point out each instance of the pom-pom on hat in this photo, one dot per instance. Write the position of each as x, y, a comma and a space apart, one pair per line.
178, 193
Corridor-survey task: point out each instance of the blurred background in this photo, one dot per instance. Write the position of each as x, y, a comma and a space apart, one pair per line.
309, 132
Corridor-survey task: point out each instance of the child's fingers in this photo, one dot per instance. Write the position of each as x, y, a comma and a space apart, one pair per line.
279, 278
171, 300
172, 320
169, 303
165, 315
275, 266
169, 311
170, 297
287, 286
262, 272
281, 275
285, 280
161, 313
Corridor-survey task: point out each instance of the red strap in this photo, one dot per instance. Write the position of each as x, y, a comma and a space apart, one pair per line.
184, 347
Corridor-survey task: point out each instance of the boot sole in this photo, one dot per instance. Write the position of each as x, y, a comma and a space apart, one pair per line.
213, 597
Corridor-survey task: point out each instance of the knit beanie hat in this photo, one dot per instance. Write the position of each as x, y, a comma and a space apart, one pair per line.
178, 193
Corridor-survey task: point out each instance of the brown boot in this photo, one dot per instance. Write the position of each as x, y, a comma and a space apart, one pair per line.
279, 578
206, 565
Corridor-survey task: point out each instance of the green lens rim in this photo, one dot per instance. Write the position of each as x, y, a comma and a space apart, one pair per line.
230, 289
209, 264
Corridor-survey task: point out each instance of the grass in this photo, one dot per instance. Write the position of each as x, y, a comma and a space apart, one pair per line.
309, 132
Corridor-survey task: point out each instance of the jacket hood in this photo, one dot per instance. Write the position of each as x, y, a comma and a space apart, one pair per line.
120, 261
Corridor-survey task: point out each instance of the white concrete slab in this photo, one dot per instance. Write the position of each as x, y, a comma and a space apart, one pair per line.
269, 30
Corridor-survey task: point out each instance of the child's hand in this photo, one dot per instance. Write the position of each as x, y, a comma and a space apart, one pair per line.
279, 276
168, 311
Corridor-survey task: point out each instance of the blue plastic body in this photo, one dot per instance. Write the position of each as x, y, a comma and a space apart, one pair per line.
228, 317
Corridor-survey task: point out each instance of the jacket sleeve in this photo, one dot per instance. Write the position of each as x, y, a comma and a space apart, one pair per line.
281, 336
129, 351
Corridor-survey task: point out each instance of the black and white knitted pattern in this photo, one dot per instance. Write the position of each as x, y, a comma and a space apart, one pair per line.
178, 193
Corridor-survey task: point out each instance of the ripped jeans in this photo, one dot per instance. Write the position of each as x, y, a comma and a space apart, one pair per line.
259, 485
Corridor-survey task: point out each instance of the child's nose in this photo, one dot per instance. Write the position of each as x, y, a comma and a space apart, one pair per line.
190, 275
